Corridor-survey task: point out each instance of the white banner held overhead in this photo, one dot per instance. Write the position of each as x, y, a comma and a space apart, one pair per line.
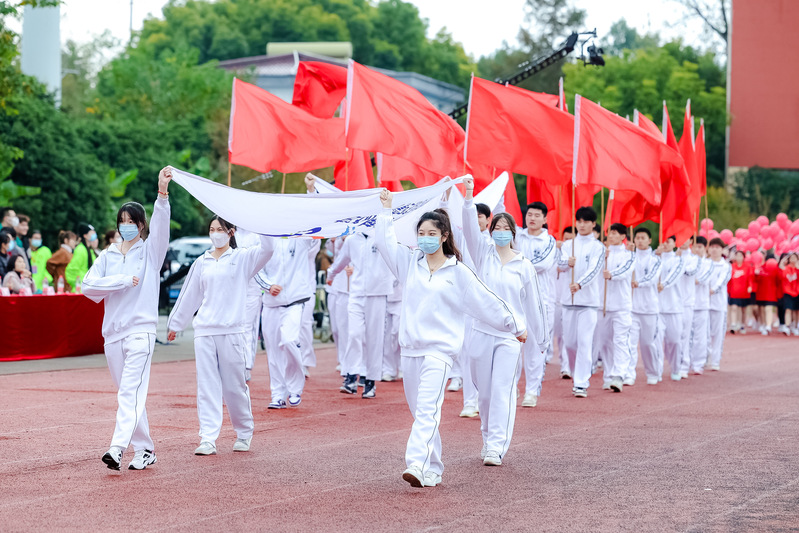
307, 215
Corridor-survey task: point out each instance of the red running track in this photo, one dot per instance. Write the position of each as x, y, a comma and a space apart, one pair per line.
715, 453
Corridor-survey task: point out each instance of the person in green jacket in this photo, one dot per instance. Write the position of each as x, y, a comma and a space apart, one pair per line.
39, 256
82, 258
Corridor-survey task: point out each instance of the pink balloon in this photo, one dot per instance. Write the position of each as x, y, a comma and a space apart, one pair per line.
739, 233
781, 236
754, 229
757, 258
768, 244
767, 231
782, 217
781, 247
706, 224
752, 244
726, 236
762, 220
784, 224
703, 233
794, 229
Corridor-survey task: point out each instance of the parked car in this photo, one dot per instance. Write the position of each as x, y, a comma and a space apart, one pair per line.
183, 251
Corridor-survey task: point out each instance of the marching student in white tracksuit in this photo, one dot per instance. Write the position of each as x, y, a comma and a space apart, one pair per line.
699, 333
438, 292
286, 294
246, 239
646, 309
671, 306
561, 284
717, 316
688, 292
370, 284
391, 347
615, 319
537, 245
338, 298
306, 328
496, 356
582, 300
127, 276
216, 290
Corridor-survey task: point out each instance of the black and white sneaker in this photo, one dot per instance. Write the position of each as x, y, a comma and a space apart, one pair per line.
113, 458
362, 382
565, 374
369, 389
350, 385
142, 460
580, 392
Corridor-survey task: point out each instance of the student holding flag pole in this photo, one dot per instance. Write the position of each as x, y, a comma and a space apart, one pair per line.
438, 292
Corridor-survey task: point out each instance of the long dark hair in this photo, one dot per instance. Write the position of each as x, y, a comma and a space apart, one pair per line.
84, 228
440, 220
227, 226
511, 223
136, 213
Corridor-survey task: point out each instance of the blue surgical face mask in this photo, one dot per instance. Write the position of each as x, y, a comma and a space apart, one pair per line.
92, 237
429, 245
36, 243
502, 237
11, 245
128, 232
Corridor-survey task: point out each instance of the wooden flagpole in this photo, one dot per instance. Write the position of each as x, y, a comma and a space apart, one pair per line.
607, 252
228, 173
574, 230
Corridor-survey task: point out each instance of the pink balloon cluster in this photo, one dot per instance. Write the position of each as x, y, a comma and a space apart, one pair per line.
781, 235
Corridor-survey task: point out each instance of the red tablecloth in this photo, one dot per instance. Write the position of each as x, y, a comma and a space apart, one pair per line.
41, 327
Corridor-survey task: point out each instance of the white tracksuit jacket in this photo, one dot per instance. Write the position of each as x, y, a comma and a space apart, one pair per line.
370, 275
671, 275
717, 283
702, 289
288, 267
130, 309
516, 283
435, 306
216, 289
542, 251
620, 266
688, 279
647, 274
590, 261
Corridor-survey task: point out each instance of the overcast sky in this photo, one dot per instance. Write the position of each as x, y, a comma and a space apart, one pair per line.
481, 25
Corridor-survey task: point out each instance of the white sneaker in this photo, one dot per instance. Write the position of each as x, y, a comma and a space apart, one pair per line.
206, 448
492, 458
714, 367
431, 479
616, 385
294, 400
469, 411
651, 381
683, 374
606, 385
795, 332
629, 382
113, 457
483, 452
455, 384
242, 445
784, 329
338, 368
387, 377
676, 376
305, 372
530, 400
413, 475
142, 459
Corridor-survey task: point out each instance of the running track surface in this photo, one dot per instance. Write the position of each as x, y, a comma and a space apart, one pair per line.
715, 453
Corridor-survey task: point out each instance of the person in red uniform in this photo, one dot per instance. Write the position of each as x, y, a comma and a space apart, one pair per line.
738, 288
767, 279
789, 274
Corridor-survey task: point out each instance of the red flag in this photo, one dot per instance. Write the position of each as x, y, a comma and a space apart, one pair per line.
267, 133
519, 130
558, 199
392, 168
688, 152
356, 174
388, 116
319, 88
701, 158
613, 152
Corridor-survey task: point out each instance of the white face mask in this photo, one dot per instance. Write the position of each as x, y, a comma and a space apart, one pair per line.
14, 222
219, 239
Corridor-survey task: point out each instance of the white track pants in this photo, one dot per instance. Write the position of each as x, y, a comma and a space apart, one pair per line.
699, 339
578, 336
644, 334
281, 330
254, 295
685, 345
717, 330
496, 367
469, 389
534, 366
613, 343
306, 333
672, 340
221, 361
557, 332
337, 303
424, 381
367, 324
391, 347
129, 363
